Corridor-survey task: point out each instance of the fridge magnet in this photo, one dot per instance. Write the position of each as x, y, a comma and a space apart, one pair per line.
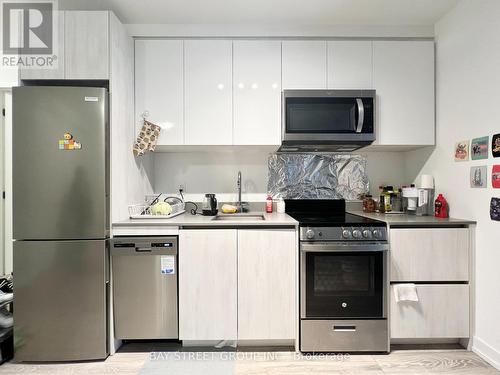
479, 148
462, 151
495, 209
495, 176
478, 177
495, 145
69, 143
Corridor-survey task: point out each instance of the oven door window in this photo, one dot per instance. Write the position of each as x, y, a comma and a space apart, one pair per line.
327, 115
344, 284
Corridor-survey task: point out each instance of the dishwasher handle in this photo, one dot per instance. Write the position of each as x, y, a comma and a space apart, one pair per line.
143, 249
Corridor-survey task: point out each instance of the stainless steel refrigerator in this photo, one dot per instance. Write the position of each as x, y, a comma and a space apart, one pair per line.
61, 222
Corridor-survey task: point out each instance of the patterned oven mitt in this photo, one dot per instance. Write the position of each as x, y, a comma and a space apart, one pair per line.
146, 140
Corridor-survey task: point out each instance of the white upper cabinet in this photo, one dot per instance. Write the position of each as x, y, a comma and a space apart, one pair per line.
350, 65
86, 44
403, 75
57, 70
257, 92
208, 92
159, 87
304, 64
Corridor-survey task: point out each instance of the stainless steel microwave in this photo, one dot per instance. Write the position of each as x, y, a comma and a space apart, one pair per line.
327, 120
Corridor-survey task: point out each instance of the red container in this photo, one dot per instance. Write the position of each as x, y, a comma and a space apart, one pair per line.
269, 204
441, 207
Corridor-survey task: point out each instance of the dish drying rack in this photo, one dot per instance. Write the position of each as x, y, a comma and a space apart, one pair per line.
144, 210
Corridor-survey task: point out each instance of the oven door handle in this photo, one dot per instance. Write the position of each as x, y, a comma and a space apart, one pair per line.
338, 247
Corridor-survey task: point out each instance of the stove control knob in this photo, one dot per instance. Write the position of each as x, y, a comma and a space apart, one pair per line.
367, 233
310, 234
377, 233
346, 233
356, 233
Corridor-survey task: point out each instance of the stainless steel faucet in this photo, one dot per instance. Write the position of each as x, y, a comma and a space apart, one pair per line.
239, 192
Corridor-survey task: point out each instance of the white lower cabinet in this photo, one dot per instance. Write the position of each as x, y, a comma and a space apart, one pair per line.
237, 284
207, 284
442, 311
429, 254
266, 284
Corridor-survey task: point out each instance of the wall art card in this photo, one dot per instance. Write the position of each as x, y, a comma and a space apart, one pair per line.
495, 176
479, 148
478, 177
495, 209
495, 145
462, 151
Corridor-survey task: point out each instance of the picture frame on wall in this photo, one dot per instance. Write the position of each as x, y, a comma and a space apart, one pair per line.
462, 151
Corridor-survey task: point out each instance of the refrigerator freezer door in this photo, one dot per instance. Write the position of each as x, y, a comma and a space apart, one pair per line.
60, 188
61, 293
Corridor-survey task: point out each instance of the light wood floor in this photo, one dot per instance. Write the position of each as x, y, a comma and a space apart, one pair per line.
402, 362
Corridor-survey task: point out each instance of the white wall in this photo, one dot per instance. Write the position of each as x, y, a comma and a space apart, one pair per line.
468, 78
203, 172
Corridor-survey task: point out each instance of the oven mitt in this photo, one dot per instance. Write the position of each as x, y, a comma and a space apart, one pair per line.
146, 140
495, 209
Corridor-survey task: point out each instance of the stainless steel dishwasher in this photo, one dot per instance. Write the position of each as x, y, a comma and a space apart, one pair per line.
144, 277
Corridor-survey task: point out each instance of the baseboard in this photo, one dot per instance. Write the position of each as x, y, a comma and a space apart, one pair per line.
486, 352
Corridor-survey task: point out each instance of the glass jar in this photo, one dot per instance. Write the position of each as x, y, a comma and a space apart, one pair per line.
369, 204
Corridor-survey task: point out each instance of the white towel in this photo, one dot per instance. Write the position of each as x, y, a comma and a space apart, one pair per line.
405, 292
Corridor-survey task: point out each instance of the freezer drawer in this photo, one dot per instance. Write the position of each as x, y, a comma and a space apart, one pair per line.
145, 287
344, 335
60, 289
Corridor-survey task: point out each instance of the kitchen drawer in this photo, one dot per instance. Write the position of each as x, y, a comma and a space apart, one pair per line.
429, 254
441, 312
343, 335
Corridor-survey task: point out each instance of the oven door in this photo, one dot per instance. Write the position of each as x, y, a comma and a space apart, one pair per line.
328, 115
343, 281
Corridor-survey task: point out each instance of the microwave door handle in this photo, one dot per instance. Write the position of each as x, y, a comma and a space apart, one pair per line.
361, 117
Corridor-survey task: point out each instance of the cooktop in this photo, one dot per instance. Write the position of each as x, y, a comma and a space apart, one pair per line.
325, 212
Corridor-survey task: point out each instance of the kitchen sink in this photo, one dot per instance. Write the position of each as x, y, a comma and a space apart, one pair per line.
239, 217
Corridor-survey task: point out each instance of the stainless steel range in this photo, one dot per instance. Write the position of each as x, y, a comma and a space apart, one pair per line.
343, 278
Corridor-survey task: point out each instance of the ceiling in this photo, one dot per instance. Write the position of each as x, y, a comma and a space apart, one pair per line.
303, 12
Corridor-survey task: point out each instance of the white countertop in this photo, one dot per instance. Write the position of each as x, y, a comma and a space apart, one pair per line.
412, 220
171, 226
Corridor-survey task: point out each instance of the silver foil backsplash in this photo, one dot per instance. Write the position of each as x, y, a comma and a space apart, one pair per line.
317, 176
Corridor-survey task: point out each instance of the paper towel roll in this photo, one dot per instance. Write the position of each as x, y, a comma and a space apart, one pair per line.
405, 292
426, 181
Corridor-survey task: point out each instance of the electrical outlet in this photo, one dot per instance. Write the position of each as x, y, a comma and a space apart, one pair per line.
182, 187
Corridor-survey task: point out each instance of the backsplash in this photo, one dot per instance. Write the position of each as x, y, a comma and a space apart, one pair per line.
317, 176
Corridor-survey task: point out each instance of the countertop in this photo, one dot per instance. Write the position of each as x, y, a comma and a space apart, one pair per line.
188, 220
413, 220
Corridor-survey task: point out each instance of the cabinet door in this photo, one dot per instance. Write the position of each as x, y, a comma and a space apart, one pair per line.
207, 284
442, 311
208, 92
403, 75
257, 92
159, 87
350, 65
266, 284
436, 254
86, 44
304, 64
56, 72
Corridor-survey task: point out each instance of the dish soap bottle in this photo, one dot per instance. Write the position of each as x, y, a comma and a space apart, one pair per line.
269, 204
441, 207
